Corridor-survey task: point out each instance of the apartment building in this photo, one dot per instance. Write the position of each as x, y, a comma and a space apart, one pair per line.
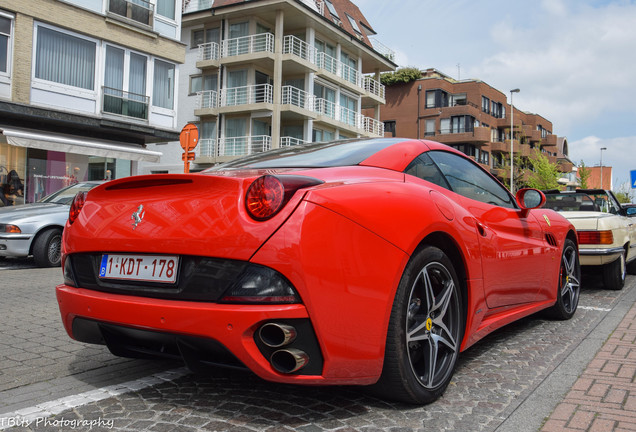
264, 74
473, 117
85, 86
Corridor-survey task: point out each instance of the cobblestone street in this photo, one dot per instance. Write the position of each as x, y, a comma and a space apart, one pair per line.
510, 381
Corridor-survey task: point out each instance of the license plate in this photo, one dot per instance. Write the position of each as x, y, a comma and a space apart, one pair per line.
153, 268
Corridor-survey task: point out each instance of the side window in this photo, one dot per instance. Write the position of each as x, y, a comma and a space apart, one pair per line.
424, 168
469, 180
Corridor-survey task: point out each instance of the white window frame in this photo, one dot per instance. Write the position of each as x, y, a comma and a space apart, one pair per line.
126, 75
4, 76
58, 87
175, 96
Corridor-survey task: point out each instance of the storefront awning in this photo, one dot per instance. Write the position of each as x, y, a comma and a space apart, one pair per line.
71, 144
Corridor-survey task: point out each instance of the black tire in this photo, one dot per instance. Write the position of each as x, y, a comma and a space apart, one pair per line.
47, 248
614, 274
569, 286
631, 267
425, 330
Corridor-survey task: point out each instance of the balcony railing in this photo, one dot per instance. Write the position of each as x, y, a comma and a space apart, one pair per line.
326, 62
291, 141
119, 102
140, 11
382, 49
209, 51
207, 99
297, 97
374, 87
260, 93
373, 126
196, 5
262, 42
300, 48
207, 147
324, 107
244, 145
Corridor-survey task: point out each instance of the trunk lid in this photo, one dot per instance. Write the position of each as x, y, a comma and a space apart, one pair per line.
193, 214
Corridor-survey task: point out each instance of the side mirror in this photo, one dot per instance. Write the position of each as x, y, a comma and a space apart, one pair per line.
530, 198
630, 211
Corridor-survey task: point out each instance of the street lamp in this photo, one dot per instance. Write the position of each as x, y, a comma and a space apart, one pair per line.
512, 135
602, 148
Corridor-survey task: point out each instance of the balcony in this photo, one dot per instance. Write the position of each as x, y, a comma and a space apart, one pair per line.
472, 135
373, 88
300, 49
245, 145
291, 141
500, 146
212, 150
137, 11
209, 55
311, 58
248, 95
190, 6
125, 104
295, 97
207, 103
549, 140
253, 44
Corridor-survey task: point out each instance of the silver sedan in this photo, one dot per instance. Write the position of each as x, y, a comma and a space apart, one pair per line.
36, 228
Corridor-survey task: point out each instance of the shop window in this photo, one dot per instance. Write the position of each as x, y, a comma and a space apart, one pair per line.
12, 187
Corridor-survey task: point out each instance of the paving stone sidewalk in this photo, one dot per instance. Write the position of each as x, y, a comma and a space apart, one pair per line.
603, 399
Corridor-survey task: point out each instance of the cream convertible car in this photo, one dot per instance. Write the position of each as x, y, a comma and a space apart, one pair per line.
606, 230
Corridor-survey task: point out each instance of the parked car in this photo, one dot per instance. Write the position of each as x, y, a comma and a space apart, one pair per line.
606, 231
36, 228
368, 262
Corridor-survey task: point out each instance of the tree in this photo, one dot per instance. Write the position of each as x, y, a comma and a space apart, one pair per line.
584, 174
543, 173
624, 194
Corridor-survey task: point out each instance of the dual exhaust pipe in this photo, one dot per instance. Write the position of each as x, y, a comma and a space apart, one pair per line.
284, 360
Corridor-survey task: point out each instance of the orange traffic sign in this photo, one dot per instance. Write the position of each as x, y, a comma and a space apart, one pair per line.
189, 137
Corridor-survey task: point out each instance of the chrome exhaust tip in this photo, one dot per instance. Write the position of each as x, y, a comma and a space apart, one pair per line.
289, 360
276, 335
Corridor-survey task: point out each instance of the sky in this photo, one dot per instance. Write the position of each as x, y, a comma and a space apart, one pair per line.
574, 61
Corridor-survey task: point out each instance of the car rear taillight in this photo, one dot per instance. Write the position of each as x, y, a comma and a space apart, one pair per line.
76, 206
596, 237
268, 194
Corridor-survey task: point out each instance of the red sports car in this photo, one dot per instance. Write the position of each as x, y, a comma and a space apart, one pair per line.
370, 262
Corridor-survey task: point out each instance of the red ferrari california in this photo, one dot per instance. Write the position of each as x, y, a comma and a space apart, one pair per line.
369, 262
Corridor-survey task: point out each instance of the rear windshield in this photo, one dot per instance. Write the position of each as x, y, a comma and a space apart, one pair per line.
313, 155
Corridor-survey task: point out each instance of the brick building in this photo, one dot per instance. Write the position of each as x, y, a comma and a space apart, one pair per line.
471, 116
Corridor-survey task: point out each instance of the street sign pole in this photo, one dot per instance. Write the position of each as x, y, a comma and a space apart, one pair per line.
189, 138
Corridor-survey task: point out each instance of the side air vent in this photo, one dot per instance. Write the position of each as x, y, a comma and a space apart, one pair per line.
551, 240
